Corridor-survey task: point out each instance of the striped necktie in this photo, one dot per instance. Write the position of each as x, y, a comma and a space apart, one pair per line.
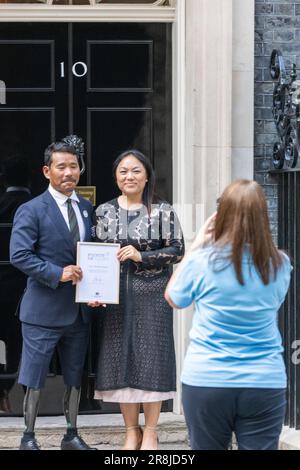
74, 229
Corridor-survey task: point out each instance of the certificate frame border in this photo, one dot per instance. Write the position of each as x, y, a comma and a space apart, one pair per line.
78, 264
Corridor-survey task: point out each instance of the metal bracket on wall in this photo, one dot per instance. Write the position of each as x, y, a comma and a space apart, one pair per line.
286, 112
78, 144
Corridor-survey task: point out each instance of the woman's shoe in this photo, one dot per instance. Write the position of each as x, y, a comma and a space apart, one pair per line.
139, 441
145, 445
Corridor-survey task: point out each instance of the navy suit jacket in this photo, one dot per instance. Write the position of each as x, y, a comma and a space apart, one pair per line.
41, 246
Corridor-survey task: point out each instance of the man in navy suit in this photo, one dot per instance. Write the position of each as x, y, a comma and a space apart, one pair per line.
43, 246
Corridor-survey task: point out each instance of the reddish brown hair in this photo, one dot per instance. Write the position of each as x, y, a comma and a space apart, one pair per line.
243, 218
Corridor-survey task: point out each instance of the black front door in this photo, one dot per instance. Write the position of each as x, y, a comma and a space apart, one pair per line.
111, 85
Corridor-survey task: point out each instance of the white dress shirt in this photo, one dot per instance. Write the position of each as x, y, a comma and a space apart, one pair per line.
61, 201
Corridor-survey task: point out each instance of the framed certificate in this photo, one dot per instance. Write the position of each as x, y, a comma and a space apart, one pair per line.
100, 273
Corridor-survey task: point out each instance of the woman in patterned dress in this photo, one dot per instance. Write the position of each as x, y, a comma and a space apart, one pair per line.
136, 361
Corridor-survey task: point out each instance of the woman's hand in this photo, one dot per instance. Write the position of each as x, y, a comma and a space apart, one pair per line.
129, 252
206, 234
204, 237
96, 304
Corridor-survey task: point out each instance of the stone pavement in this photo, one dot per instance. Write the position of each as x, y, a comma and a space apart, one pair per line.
104, 431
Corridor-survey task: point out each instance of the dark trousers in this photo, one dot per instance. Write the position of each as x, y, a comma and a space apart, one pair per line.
39, 343
255, 415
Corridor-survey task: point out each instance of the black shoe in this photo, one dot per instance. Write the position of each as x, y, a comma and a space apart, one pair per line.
77, 443
30, 444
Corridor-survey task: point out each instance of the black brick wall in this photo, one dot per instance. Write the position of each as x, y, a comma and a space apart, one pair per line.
277, 26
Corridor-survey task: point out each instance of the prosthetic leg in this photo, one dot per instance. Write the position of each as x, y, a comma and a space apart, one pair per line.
70, 405
30, 408
71, 440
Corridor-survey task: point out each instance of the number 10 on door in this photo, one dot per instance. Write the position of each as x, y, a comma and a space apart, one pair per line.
79, 69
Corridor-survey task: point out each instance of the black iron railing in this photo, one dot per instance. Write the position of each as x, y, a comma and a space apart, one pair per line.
289, 240
286, 112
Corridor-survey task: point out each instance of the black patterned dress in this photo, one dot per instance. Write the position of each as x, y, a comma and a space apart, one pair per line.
136, 344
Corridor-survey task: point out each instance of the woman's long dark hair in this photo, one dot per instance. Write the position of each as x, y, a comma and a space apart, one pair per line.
149, 196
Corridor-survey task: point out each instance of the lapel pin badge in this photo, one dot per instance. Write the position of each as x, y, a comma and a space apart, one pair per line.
85, 213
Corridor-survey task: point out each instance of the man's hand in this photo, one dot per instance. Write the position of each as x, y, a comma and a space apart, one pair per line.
96, 304
71, 273
129, 252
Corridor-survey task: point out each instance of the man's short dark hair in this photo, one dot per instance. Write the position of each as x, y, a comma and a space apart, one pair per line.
58, 147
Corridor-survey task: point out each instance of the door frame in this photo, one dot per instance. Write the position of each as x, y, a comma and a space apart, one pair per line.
115, 13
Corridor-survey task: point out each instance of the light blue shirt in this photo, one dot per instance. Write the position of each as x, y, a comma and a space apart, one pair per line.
234, 340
